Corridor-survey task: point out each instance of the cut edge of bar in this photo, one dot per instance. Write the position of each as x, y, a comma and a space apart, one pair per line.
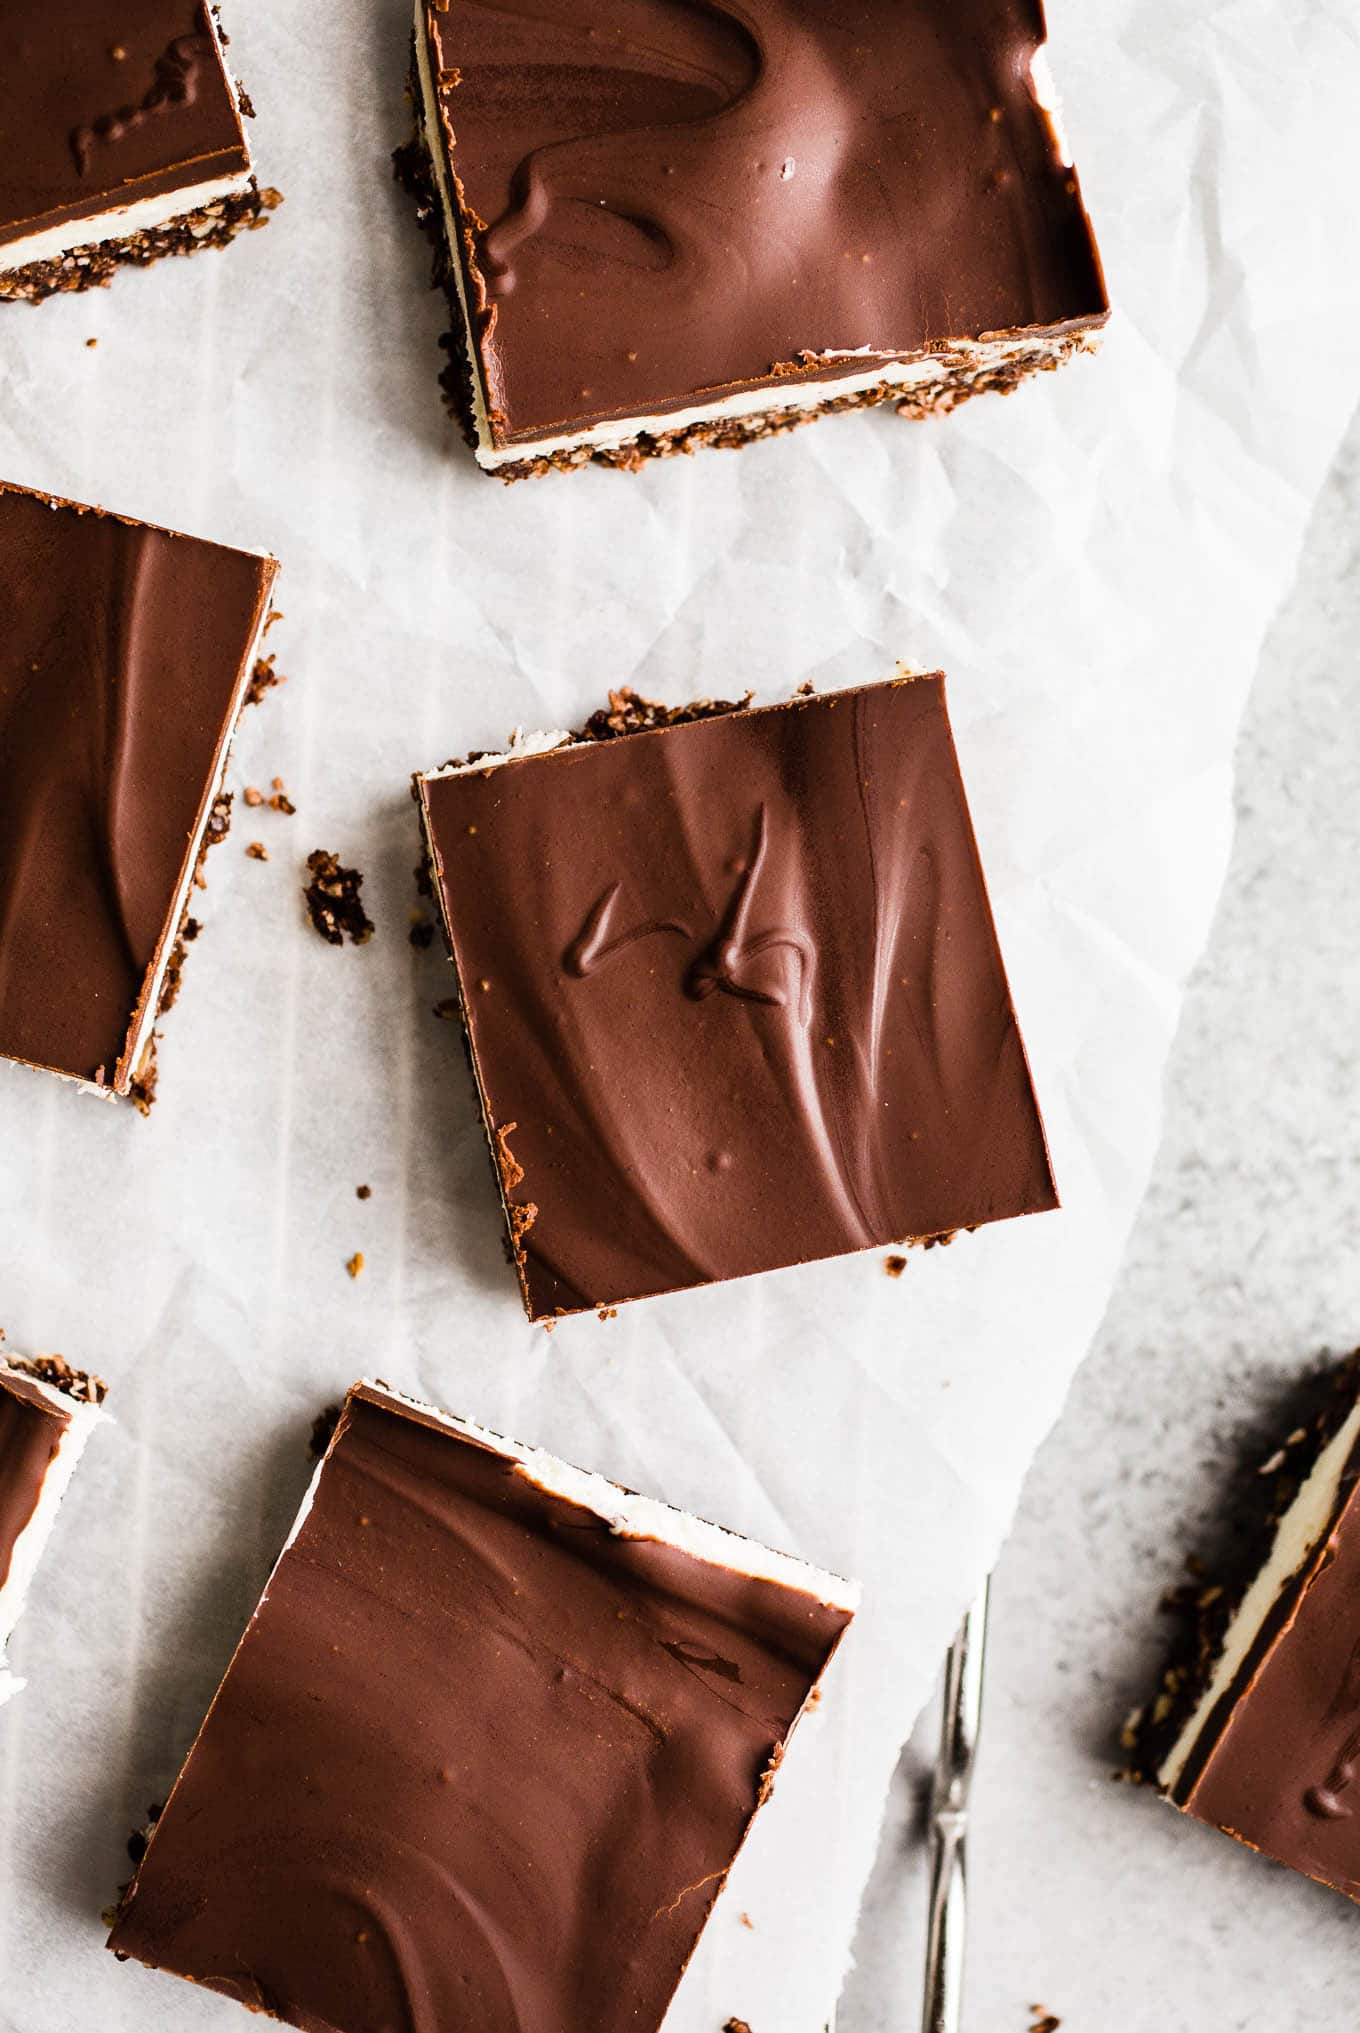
627, 1514
1297, 1540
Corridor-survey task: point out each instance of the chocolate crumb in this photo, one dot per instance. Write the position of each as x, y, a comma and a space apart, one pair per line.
448, 1009
217, 828
1044, 2020
323, 1425
244, 101
257, 850
264, 676
747, 1921
767, 1777
355, 1263
56, 1371
363, 1192
252, 796
736, 2026
422, 935
894, 1266
92, 343
332, 899
629, 713
219, 825
140, 1838
607, 1312
280, 802
522, 1219
143, 1088
511, 1170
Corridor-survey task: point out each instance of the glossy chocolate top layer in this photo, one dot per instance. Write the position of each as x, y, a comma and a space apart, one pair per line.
123, 659
734, 995
106, 102
31, 1431
671, 197
1279, 1766
478, 1763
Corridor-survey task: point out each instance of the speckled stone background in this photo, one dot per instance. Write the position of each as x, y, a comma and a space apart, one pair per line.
1089, 1899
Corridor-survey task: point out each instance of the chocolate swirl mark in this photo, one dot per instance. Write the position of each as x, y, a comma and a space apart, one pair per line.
731, 949
637, 187
126, 609
494, 1590
175, 83
722, 962
35, 746
592, 945
1324, 1801
381, 1930
588, 170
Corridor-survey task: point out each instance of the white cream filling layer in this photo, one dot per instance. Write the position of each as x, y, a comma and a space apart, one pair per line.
902, 374
626, 1515
520, 745
546, 741
143, 215
28, 1548
1301, 1528
906, 374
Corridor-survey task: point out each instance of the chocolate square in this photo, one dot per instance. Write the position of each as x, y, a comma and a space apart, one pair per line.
733, 995
650, 210
487, 1749
124, 660
116, 120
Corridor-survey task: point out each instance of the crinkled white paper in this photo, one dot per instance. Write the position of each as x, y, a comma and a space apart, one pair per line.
1093, 561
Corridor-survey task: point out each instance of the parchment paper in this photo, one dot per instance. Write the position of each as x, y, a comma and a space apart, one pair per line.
1093, 561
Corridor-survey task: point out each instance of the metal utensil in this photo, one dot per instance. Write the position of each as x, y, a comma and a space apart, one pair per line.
942, 2003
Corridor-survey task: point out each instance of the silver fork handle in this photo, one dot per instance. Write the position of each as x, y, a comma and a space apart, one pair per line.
942, 2003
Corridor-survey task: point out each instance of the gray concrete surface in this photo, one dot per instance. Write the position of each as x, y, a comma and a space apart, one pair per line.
1089, 1899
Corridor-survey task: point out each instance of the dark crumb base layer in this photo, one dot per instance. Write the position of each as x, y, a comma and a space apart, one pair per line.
963, 374
137, 1844
627, 713
411, 168
94, 266
58, 1373
142, 1086
142, 1090
1272, 1469
964, 377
